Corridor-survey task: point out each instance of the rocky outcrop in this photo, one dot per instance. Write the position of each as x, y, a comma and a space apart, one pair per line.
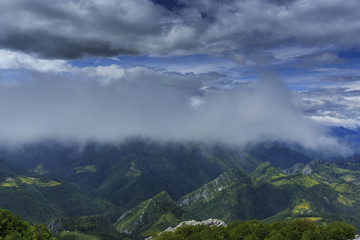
294, 169
209, 222
210, 190
54, 225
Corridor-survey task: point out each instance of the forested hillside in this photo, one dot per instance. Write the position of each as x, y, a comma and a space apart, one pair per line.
144, 186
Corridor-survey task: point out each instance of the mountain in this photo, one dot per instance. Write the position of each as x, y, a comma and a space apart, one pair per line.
7, 169
235, 195
318, 190
132, 171
136, 170
152, 215
89, 227
129, 172
279, 155
39, 199
54, 180
52, 155
351, 137
216, 199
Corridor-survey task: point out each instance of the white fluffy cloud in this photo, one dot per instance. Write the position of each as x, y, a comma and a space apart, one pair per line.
334, 106
17, 60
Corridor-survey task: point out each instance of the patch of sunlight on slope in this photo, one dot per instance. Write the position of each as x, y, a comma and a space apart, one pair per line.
282, 181
77, 236
344, 200
313, 219
83, 169
302, 180
14, 182
38, 182
133, 171
343, 188
306, 181
10, 182
302, 208
40, 169
348, 178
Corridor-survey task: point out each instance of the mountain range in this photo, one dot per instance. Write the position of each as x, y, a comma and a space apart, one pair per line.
140, 186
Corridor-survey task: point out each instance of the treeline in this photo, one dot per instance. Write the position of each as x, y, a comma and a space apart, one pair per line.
299, 229
12, 227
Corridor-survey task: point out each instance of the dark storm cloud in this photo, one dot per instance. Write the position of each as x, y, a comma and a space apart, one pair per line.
74, 28
172, 5
46, 45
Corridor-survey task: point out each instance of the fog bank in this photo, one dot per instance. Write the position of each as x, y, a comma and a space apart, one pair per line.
164, 106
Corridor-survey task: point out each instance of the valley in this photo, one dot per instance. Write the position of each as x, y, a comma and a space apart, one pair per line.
140, 186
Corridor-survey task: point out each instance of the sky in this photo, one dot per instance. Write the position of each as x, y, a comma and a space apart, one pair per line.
237, 71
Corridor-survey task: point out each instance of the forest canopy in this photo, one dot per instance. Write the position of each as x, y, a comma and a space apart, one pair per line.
12, 227
299, 229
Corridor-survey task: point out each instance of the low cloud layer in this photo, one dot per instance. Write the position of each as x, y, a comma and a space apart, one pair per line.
146, 103
210, 93
73, 29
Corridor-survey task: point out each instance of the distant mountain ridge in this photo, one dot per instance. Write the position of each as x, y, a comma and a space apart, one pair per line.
195, 181
129, 172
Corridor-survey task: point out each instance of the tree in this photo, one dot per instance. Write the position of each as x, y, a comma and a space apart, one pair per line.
12, 227
299, 229
337, 230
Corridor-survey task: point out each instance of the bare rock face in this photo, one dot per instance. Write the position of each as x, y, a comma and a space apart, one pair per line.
54, 225
307, 170
210, 222
294, 169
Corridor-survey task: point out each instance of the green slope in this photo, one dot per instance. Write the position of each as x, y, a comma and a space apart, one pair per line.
325, 192
134, 170
216, 199
129, 173
153, 215
234, 195
39, 199
89, 227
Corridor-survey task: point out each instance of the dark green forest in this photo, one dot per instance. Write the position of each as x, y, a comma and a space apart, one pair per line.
12, 227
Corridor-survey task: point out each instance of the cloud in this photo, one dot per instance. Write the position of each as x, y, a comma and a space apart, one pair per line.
238, 58
342, 79
143, 102
75, 29
327, 58
333, 121
18, 60
205, 96
335, 106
